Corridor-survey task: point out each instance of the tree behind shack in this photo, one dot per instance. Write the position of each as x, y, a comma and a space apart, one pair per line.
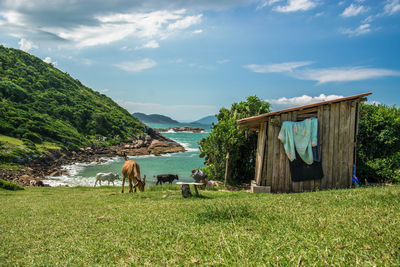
225, 136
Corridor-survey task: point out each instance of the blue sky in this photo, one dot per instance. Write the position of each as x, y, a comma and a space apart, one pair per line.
187, 59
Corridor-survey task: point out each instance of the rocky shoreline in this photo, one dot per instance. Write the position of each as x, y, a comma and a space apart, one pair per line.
50, 164
181, 129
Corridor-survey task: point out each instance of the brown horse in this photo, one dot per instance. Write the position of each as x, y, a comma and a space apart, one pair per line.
131, 170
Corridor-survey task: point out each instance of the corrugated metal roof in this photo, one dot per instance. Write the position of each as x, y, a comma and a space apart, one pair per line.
253, 119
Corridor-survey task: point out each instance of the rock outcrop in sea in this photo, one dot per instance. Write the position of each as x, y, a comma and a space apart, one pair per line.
181, 129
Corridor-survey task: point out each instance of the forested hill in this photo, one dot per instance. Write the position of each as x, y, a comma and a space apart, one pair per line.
154, 118
41, 103
207, 120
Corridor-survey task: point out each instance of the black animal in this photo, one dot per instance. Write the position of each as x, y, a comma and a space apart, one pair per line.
163, 178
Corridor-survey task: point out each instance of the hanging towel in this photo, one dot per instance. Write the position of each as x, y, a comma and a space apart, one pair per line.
287, 138
302, 135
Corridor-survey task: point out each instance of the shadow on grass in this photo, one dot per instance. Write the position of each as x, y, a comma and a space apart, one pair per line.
223, 211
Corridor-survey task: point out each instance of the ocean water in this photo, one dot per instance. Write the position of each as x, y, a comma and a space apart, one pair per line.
177, 163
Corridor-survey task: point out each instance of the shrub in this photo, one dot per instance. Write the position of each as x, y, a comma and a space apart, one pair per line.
225, 136
9, 185
29, 144
378, 154
34, 137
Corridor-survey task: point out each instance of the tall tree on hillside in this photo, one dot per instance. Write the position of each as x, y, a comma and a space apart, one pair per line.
225, 136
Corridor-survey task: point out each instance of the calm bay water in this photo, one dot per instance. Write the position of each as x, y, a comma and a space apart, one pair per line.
178, 163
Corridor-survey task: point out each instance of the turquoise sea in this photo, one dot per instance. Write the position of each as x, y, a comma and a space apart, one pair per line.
177, 163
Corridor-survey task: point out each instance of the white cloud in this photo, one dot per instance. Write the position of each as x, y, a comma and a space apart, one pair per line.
392, 7
354, 10
362, 29
323, 75
368, 19
104, 90
185, 22
264, 3
344, 74
147, 27
26, 45
373, 102
296, 5
281, 67
197, 31
85, 61
223, 61
79, 60
150, 44
137, 66
285, 102
179, 112
48, 60
178, 60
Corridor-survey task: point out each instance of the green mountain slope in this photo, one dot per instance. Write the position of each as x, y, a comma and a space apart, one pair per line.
206, 120
40, 103
154, 118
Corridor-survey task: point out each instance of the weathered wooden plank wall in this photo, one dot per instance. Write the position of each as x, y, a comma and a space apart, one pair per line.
337, 124
262, 136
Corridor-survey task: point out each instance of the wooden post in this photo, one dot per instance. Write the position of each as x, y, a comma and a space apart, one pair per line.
186, 191
226, 167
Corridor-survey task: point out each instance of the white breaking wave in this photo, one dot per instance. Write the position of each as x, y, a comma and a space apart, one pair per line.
172, 131
65, 180
188, 149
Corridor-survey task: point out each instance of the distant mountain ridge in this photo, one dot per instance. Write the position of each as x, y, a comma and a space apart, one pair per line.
154, 118
208, 120
162, 119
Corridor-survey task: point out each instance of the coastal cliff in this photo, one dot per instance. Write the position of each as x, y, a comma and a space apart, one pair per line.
49, 119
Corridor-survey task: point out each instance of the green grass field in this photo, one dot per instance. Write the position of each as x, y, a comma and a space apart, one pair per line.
100, 226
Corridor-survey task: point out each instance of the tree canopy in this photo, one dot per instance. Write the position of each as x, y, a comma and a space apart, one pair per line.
378, 154
225, 136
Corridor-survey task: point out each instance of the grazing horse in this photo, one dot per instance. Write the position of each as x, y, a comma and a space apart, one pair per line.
131, 170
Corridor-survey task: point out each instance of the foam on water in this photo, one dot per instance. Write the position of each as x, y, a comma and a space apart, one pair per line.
84, 174
188, 148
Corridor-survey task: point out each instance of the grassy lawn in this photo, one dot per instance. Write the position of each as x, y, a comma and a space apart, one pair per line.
100, 226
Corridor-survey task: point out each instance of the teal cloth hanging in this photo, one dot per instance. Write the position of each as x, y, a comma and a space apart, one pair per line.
301, 136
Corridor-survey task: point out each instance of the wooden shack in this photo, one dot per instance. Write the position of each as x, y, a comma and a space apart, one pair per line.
337, 126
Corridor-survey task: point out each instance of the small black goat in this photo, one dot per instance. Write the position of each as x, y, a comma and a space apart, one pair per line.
163, 178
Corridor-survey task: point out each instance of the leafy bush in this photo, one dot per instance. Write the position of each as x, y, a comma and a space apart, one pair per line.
225, 136
378, 155
10, 186
29, 144
34, 137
